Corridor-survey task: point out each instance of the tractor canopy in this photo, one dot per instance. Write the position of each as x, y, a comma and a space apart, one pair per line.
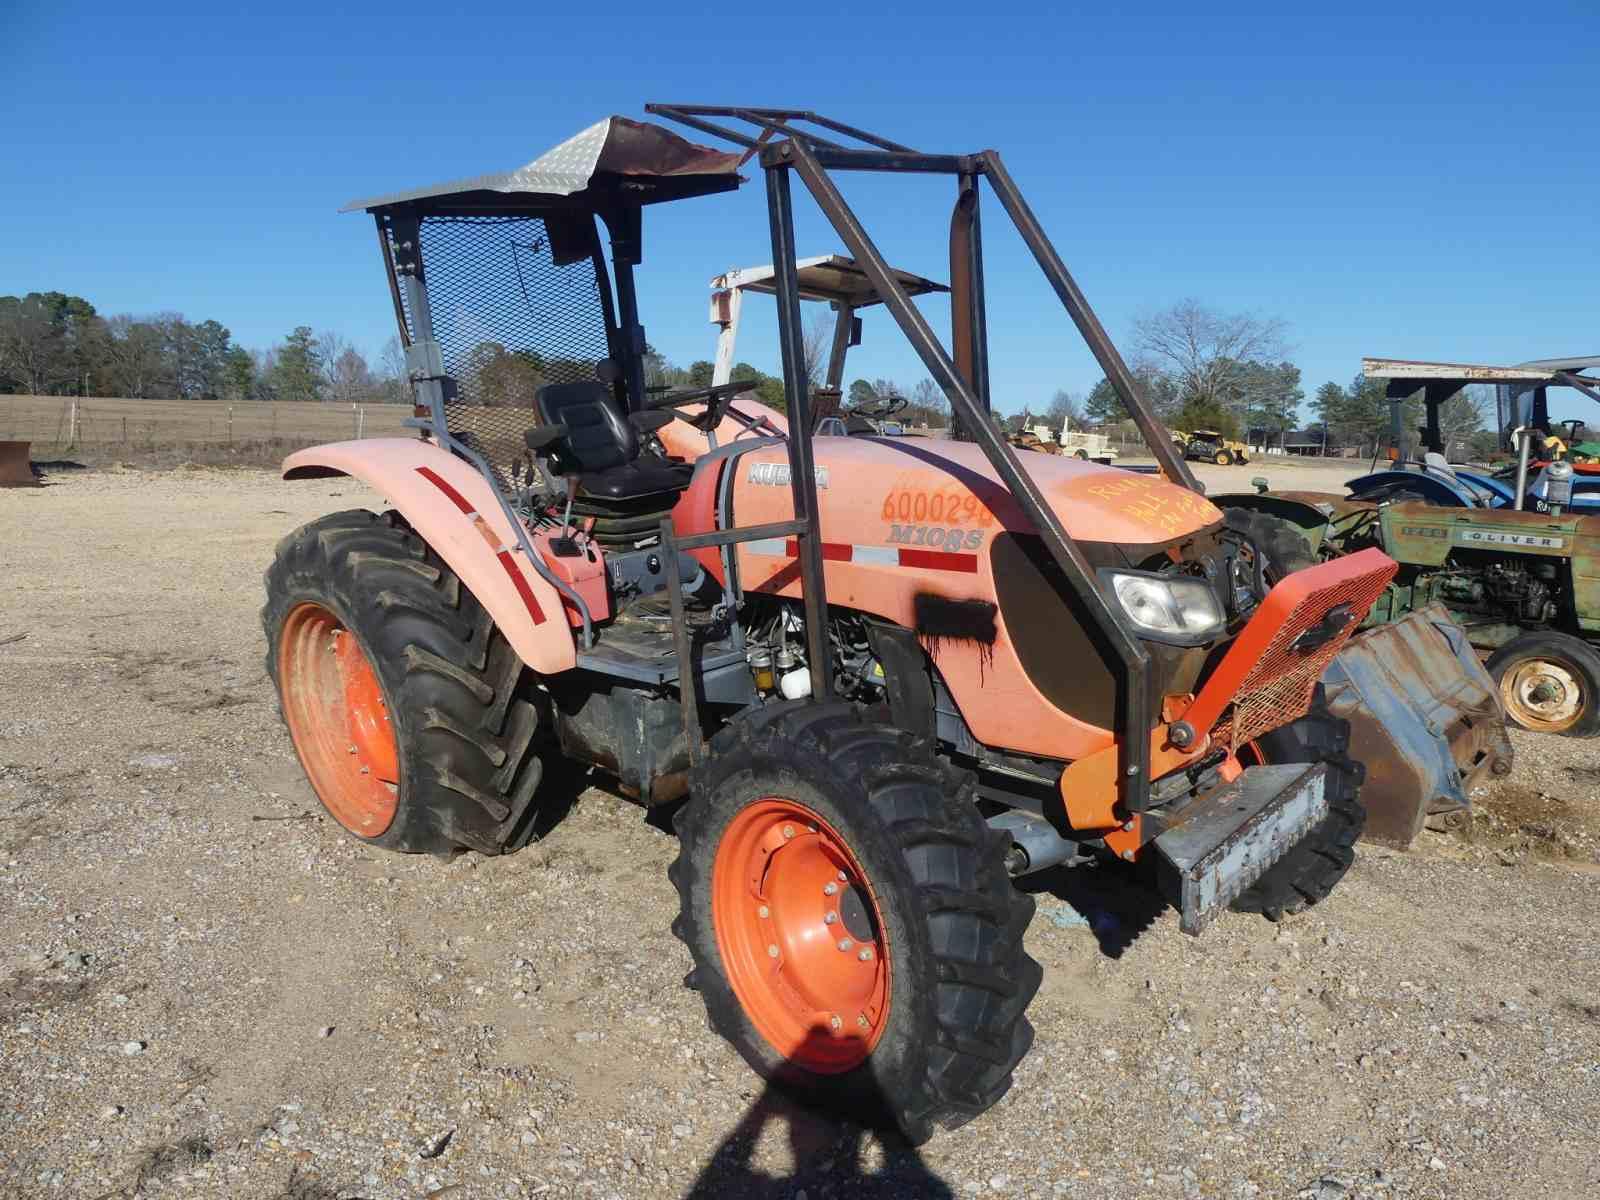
501, 286
653, 162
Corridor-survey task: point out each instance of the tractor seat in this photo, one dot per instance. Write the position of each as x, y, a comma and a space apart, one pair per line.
1435, 463
601, 446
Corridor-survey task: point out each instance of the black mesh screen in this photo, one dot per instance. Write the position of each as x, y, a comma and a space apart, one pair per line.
509, 320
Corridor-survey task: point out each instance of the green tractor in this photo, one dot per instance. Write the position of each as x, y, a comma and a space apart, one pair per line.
1516, 565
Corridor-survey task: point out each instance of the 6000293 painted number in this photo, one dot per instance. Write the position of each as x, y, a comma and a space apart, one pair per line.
935, 507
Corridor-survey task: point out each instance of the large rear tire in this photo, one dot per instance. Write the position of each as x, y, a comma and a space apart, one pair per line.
898, 997
399, 692
1314, 867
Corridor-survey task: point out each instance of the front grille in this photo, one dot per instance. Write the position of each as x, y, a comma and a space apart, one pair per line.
1277, 688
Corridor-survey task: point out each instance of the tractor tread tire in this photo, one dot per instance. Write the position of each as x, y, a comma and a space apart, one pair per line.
468, 759
1286, 548
963, 981
1310, 870
1582, 657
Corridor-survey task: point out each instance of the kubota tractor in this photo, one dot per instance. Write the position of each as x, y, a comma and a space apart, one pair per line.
879, 677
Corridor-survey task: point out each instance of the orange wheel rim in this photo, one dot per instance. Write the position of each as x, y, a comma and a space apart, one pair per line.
334, 707
801, 936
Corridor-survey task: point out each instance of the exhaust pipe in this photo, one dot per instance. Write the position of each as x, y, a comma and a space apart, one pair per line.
1035, 844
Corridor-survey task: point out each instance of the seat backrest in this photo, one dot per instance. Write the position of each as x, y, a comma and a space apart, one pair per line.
598, 436
1437, 464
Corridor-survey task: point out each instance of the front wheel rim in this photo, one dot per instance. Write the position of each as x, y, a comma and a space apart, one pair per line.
334, 706
801, 936
1543, 695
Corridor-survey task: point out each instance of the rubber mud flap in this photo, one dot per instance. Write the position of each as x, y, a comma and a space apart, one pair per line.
1227, 839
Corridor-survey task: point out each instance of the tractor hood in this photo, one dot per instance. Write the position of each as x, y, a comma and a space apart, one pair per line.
922, 482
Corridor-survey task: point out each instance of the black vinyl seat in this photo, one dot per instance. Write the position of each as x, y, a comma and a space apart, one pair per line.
601, 446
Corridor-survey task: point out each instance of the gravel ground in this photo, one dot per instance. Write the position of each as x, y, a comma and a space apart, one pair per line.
207, 990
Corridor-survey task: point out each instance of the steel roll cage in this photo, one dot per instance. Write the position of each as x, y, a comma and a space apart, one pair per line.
963, 374
785, 149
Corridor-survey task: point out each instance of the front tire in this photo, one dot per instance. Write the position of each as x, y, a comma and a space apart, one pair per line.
399, 692
898, 998
1549, 683
1320, 860
1223, 458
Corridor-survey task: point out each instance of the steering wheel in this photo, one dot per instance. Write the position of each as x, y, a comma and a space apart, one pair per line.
885, 408
716, 398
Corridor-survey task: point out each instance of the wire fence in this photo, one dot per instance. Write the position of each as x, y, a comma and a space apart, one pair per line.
109, 420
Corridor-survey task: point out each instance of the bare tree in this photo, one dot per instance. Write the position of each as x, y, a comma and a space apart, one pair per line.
30, 345
1204, 350
393, 375
330, 347
349, 378
137, 352
817, 345
929, 404
1065, 406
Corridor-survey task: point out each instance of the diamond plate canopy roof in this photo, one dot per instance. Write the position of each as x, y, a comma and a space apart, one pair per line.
614, 146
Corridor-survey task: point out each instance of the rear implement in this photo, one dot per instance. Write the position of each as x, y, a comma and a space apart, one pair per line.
16, 468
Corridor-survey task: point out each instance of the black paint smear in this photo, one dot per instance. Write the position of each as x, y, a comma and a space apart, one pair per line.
939, 619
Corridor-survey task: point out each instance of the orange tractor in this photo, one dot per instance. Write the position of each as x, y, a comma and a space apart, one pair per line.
880, 678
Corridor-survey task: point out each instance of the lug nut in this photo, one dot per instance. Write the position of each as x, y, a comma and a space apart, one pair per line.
862, 1021
843, 878
772, 951
835, 1021
845, 943
829, 918
788, 831
764, 911
1127, 827
1128, 854
865, 955
830, 888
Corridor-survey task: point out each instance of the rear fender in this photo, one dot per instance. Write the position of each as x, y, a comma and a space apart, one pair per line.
455, 511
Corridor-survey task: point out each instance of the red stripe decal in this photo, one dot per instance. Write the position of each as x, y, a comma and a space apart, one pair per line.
831, 551
456, 497
520, 582
939, 560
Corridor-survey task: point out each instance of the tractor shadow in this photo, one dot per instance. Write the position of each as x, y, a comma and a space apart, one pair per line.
1109, 899
831, 1159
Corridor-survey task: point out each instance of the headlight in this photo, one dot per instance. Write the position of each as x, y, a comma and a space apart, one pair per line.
1172, 608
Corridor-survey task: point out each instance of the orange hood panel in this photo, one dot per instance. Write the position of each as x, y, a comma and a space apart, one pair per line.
867, 484
904, 520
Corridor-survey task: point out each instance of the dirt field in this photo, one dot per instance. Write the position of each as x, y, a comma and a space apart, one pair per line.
207, 990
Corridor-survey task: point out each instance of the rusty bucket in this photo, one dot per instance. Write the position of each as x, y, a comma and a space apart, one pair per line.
16, 469
1424, 718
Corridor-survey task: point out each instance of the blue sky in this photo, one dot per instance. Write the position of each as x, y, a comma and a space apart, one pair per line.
1410, 180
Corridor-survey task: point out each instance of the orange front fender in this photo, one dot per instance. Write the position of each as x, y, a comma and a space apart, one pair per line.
454, 510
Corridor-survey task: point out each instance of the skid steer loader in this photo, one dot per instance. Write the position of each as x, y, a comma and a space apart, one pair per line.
880, 677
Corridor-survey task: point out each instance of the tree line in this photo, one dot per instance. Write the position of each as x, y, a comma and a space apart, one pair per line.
54, 344
1198, 367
